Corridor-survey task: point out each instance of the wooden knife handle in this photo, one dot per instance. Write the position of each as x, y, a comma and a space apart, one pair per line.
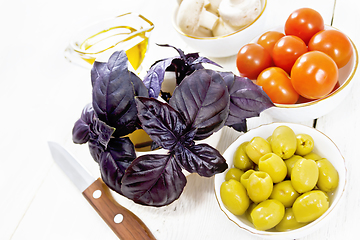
125, 224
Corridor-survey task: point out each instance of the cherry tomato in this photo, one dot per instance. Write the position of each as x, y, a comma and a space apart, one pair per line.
287, 50
314, 75
304, 23
277, 85
268, 40
333, 43
252, 59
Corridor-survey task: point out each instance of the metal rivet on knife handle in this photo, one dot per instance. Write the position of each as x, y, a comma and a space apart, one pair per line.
125, 224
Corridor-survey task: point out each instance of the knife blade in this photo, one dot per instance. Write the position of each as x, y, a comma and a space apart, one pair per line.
125, 224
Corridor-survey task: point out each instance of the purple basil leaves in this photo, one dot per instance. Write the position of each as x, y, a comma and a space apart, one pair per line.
115, 160
246, 100
183, 66
112, 114
163, 124
83, 126
158, 180
203, 102
113, 155
200, 158
114, 88
92, 130
154, 180
198, 108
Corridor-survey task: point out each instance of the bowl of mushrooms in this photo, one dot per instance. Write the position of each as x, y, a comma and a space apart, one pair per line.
219, 28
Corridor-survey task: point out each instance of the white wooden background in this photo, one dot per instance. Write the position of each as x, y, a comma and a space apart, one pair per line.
42, 95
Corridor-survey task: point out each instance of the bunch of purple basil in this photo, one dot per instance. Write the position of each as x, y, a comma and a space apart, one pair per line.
203, 102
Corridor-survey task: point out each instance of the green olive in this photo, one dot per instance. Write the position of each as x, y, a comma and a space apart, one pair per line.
312, 156
274, 166
244, 179
233, 195
267, 214
233, 173
285, 193
283, 142
328, 176
241, 159
290, 163
304, 144
288, 222
310, 206
249, 210
304, 175
259, 186
257, 148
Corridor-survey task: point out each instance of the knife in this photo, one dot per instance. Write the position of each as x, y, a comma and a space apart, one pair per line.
125, 224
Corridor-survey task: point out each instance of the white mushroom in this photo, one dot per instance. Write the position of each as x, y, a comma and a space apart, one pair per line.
203, 32
192, 14
239, 13
213, 6
206, 4
222, 28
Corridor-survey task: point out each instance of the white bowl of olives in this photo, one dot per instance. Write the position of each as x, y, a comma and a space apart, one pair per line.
283, 182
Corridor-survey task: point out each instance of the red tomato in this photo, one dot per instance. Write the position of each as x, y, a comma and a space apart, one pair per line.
333, 43
277, 85
314, 75
287, 50
268, 40
252, 59
304, 23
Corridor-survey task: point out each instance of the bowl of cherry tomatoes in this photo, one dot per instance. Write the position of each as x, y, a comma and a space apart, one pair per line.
306, 67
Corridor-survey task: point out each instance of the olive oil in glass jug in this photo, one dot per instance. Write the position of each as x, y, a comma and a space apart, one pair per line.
129, 32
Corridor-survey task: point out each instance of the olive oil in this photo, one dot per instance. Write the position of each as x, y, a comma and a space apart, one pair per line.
114, 39
136, 54
141, 140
